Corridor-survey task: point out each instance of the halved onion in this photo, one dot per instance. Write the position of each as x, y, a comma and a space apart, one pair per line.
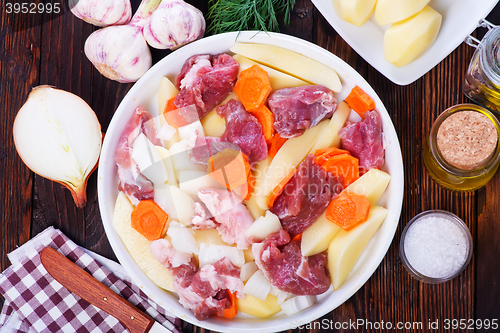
58, 136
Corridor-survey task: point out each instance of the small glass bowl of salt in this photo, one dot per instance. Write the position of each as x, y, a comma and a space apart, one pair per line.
435, 246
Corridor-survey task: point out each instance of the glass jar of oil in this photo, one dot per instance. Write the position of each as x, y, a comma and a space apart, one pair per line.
443, 171
482, 80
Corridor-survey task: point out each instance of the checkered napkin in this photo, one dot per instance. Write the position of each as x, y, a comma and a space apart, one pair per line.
35, 302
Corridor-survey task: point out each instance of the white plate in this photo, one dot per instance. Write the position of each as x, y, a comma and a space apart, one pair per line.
460, 18
144, 93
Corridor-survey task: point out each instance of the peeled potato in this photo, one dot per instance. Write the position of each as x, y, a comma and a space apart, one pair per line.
356, 12
317, 237
258, 308
278, 79
291, 63
347, 246
391, 11
372, 185
405, 41
138, 246
166, 91
330, 136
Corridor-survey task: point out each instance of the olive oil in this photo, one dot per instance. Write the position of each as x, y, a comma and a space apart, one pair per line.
449, 176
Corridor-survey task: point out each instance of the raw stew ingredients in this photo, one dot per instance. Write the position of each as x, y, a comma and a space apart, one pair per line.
245, 199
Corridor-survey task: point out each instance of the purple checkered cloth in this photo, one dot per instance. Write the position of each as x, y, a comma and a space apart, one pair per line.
35, 302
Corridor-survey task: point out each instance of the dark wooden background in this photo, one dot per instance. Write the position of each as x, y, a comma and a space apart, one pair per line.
48, 49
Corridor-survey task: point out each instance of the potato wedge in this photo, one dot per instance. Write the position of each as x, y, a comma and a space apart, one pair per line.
278, 79
356, 12
347, 246
330, 135
258, 308
138, 246
405, 41
291, 63
317, 237
372, 185
213, 124
166, 91
392, 11
288, 157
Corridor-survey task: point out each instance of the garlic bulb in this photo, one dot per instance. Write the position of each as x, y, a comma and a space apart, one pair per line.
120, 52
59, 137
102, 12
174, 24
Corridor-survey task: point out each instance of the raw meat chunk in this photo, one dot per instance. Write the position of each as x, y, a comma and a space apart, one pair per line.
305, 196
131, 181
205, 81
232, 216
364, 139
297, 109
286, 268
244, 130
203, 291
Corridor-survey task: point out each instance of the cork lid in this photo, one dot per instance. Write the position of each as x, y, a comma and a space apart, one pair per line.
467, 139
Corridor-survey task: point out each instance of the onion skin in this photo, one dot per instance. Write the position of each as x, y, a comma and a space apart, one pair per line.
58, 136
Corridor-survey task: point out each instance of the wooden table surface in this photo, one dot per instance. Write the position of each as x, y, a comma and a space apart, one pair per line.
47, 49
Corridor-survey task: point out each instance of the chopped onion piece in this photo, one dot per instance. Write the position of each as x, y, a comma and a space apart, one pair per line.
188, 131
280, 295
177, 203
182, 157
247, 270
210, 254
149, 160
181, 238
166, 132
297, 304
192, 181
264, 226
257, 286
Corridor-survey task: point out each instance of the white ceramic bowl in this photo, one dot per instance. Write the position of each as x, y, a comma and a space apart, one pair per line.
144, 93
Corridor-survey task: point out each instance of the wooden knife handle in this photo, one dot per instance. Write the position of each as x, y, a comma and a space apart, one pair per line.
90, 289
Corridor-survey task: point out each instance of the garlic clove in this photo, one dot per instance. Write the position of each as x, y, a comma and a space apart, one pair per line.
119, 53
102, 13
58, 136
174, 24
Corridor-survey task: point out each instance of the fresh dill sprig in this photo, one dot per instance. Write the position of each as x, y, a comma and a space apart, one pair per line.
238, 15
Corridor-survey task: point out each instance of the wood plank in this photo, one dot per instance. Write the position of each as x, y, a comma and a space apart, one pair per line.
19, 62
64, 66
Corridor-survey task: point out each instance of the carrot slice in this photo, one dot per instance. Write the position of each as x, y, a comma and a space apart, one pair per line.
266, 119
251, 185
278, 189
149, 219
229, 168
232, 311
276, 143
322, 155
253, 87
360, 101
170, 106
297, 237
348, 210
343, 166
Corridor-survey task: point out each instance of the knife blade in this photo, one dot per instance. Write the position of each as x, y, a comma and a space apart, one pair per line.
81, 283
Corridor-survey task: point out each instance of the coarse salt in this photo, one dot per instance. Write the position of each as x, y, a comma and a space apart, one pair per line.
435, 247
